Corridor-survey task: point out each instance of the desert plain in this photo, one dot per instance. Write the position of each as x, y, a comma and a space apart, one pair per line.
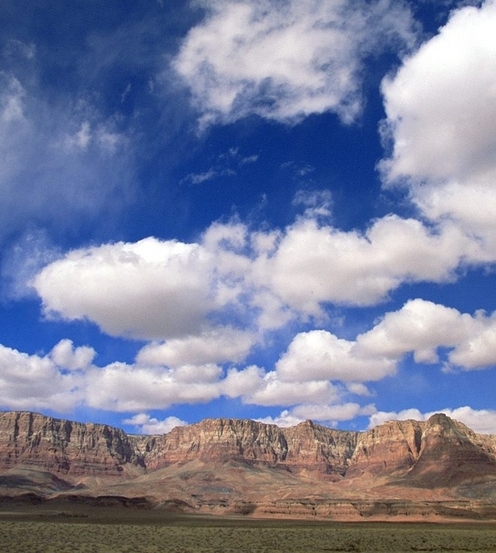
120, 530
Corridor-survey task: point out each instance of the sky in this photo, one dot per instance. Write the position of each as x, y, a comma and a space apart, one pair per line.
269, 209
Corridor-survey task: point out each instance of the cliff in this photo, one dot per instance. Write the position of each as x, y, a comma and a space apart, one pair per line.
65, 447
224, 461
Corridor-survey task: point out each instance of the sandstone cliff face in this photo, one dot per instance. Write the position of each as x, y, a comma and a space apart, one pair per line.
307, 446
393, 448
217, 440
450, 453
62, 446
437, 453
315, 447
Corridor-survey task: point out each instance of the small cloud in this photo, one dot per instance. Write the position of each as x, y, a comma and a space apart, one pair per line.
318, 203
226, 165
126, 92
211, 174
66, 356
150, 425
249, 159
298, 170
284, 420
16, 48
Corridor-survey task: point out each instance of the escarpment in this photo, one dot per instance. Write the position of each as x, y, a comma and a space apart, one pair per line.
438, 452
62, 446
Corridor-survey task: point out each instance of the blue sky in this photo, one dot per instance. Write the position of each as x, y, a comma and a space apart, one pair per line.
269, 209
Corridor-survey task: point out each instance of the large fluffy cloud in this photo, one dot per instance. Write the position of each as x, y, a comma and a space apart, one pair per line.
160, 290
441, 119
314, 377
285, 59
217, 345
315, 264
150, 289
319, 355
421, 327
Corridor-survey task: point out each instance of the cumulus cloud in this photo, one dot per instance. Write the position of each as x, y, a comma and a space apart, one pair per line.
36, 382
441, 121
272, 390
67, 377
163, 290
286, 60
319, 355
65, 355
421, 327
314, 264
217, 345
150, 289
145, 424
313, 378
123, 387
482, 421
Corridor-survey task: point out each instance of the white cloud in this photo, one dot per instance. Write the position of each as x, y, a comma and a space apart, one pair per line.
228, 164
421, 327
151, 425
149, 289
65, 355
319, 355
274, 391
441, 119
482, 421
285, 420
315, 264
218, 345
332, 413
328, 415
163, 290
122, 387
34, 382
478, 349
314, 377
285, 60
242, 383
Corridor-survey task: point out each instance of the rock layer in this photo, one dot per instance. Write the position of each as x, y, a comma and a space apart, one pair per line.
437, 453
62, 446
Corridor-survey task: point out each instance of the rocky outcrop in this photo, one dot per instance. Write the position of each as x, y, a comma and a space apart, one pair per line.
61, 446
307, 446
218, 440
437, 453
317, 448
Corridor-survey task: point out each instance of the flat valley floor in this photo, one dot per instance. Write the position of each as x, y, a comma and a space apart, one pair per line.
129, 531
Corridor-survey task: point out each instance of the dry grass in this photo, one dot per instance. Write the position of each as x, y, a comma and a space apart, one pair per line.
57, 534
